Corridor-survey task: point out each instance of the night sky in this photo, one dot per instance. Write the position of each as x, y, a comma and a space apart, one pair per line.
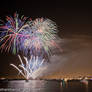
72, 18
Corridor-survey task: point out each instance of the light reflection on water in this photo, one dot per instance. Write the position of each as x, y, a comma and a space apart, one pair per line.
44, 86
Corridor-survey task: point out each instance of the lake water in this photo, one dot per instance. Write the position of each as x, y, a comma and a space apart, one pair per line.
44, 86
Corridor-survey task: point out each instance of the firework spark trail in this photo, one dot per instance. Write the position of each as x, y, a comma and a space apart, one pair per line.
30, 67
18, 70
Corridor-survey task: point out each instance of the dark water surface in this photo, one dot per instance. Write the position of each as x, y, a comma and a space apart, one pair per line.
44, 86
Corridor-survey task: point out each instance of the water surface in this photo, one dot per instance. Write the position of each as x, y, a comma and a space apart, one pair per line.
44, 86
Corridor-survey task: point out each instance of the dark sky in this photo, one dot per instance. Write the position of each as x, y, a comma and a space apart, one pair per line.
72, 17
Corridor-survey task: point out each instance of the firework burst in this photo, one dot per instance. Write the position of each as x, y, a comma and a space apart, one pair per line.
33, 38
28, 68
29, 36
